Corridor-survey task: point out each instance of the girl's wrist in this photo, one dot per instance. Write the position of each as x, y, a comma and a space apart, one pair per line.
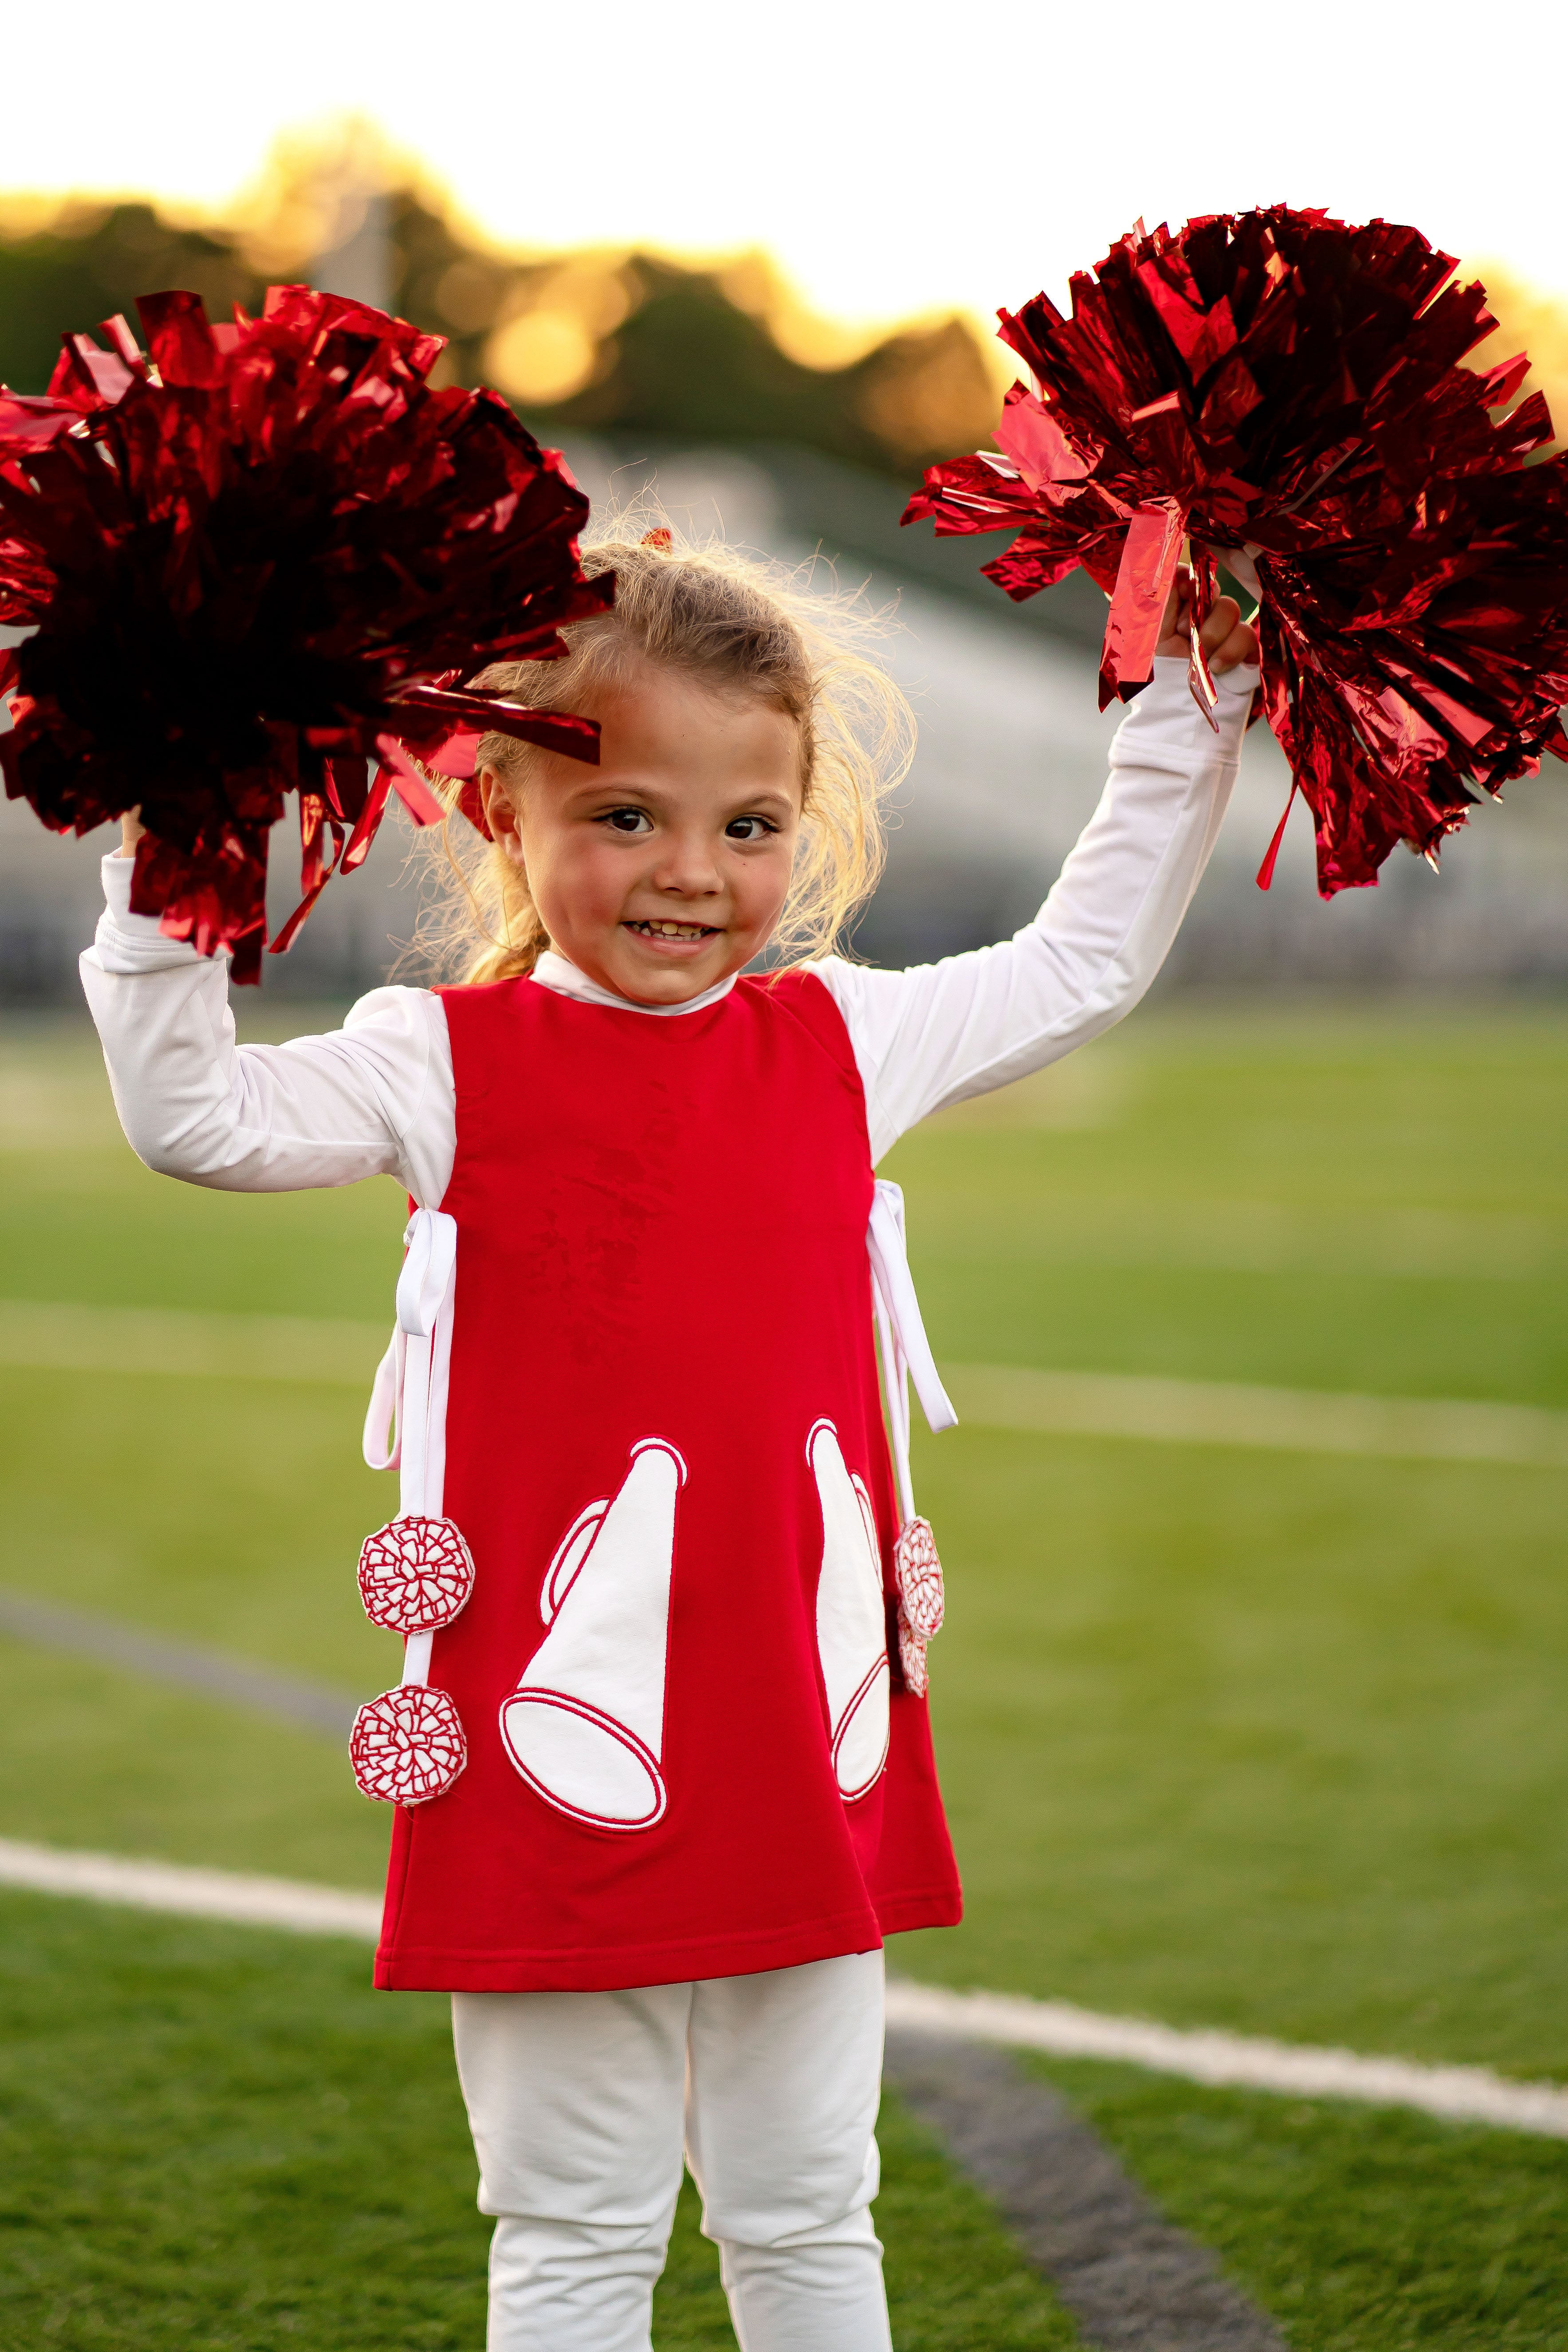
131, 832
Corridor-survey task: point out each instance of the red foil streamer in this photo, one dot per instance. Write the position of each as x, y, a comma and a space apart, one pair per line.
259, 559
1285, 394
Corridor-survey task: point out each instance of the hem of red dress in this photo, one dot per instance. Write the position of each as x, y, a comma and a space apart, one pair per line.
620, 1967
938, 1907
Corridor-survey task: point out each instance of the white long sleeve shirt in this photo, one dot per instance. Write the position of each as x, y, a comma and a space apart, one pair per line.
376, 1099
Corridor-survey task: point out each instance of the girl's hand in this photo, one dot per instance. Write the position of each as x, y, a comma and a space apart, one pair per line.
131, 832
1227, 639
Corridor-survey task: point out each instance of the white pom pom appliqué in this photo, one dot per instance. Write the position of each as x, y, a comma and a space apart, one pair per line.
415, 1574
919, 1574
408, 1745
912, 1659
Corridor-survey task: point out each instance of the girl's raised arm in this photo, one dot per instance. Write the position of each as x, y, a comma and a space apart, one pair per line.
941, 1032
373, 1098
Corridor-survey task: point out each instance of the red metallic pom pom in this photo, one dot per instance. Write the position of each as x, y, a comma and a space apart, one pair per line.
1285, 393
408, 1745
415, 1574
255, 563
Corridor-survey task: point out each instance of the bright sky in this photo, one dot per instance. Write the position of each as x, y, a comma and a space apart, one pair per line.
894, 158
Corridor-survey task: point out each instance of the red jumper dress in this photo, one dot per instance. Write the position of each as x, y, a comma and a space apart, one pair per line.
690, 1752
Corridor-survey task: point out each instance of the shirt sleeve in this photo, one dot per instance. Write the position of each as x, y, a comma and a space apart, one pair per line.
373, 1098
942, 1032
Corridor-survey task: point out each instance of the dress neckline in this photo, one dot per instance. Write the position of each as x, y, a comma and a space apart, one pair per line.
561, 976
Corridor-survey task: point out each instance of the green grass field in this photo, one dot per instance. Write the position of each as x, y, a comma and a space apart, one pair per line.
1269, 1741
221, 2139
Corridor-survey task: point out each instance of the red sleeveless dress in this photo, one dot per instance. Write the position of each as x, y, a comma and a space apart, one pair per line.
690, 1753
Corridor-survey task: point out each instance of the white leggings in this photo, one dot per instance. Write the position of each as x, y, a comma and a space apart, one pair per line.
579, 2102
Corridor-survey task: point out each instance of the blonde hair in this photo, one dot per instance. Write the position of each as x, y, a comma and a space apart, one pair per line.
741, 626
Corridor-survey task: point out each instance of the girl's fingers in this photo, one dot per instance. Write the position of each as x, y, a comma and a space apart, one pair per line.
1222, 620
1236, 649
1227, 639
1173, 625
1175, 619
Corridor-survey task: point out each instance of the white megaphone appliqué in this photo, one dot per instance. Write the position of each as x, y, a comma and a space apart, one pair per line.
851, 1618
585, 1725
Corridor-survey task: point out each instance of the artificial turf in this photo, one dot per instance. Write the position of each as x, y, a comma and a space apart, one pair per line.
221, 2138
1361, 2230
1265, 1739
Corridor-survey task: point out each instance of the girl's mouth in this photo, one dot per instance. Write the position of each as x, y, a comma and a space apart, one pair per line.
661, 930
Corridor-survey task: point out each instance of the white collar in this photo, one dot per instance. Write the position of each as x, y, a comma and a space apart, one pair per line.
557, 973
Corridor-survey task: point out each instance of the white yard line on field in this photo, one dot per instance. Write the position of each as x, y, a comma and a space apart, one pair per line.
48, 1337
71, 1339
1230, 1412
1458, 2093
247, 1899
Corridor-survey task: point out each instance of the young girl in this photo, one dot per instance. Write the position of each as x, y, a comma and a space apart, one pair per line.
638, 1390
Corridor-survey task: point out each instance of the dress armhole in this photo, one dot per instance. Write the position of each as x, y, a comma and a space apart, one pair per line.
810, 1001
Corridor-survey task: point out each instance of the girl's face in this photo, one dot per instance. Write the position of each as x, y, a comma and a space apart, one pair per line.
663, 869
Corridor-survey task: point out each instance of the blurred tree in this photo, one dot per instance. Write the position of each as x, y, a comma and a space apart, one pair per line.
1530, 322
601, 341
688, 362
89, 264
447, 286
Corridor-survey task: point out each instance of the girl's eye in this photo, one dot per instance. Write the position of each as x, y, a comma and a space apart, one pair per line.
630, 819
748, 829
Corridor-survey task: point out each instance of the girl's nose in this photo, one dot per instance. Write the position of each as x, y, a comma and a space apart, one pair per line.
688, 868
